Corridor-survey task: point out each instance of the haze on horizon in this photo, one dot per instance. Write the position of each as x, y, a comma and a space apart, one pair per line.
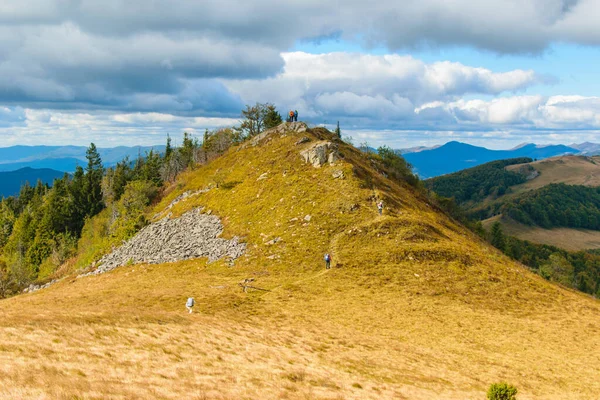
489, 73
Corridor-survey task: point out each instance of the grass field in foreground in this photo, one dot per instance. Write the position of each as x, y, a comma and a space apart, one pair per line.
415, 306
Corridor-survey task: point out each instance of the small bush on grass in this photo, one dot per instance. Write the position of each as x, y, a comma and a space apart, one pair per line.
502, 391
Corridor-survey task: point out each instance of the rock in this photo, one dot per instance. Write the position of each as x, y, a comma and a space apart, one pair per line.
305, 139
193, 235
338, 174
307, 218
320, 153
281, 129
276, 240
263, 176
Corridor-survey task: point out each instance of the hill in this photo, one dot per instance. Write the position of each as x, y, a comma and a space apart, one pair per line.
456, 156
415, 306
11, 182
527, 192
64, 158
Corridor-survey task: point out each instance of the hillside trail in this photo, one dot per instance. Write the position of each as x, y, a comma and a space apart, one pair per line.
334, 246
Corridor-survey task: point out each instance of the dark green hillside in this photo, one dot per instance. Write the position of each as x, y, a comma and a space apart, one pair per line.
557, 205
477, 183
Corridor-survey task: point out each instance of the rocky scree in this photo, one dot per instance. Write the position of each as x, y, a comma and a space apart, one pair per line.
193, 235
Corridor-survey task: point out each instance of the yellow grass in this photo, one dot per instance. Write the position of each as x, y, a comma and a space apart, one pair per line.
566, 238
572, 170
415, 306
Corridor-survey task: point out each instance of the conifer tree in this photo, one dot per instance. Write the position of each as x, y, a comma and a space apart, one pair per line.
497, 237
168, 148
338, 132
272, 118
93, 181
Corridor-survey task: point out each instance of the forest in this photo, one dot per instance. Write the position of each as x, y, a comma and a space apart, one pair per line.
579, 270
478, 183
557, 205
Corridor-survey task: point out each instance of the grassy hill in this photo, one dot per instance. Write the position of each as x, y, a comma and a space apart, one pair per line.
414, 307
485, 190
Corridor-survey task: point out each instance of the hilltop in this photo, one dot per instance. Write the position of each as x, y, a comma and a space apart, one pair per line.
415, 305
11, 182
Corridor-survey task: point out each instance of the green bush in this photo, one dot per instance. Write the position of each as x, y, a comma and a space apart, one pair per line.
502, 391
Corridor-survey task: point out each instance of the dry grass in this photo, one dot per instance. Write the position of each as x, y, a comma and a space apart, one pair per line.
572, 170
566, 238
415, 307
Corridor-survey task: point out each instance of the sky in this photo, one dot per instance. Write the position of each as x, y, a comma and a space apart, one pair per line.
401, 73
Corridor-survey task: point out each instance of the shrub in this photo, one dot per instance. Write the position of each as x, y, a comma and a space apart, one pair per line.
502, 391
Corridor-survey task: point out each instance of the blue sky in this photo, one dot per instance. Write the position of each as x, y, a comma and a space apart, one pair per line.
402, 73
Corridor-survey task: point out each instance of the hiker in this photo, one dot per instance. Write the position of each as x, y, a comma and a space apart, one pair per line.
291, 118
380, 207
296, 115
190, 304
327, 261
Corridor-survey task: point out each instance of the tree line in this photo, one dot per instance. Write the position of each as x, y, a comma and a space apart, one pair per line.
478, 183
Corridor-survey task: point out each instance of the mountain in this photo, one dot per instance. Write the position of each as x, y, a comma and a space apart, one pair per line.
587, 148
416, 149
456, 156
64, 158
415, 305
11, 182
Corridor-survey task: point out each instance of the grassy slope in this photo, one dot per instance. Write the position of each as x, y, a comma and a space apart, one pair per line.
572, 170
415, 306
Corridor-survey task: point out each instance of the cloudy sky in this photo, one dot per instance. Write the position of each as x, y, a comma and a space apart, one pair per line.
403, 72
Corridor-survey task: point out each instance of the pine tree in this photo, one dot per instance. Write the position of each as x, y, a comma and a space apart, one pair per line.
272, 118
168, 148
497, 237
338, 132
93, 181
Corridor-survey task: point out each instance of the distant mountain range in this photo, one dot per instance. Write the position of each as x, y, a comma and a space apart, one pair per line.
455, 156
64, 158
11, 181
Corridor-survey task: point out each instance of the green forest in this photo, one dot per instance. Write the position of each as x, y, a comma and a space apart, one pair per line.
478, 183
557, 205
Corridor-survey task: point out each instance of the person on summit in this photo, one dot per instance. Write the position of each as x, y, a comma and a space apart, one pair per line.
291, 118
296, 115
190, 304
327, 261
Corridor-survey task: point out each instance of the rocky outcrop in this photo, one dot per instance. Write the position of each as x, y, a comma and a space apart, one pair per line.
281, 129
320, 153
193, 235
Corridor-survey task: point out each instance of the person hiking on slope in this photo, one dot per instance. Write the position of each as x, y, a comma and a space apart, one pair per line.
190, 304
327, 261
380, 207
296, 115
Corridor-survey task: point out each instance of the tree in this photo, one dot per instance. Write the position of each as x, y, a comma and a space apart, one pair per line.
338, 132
396, 165
93, 181
497, 236
272, 117
258, 118
168, 148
